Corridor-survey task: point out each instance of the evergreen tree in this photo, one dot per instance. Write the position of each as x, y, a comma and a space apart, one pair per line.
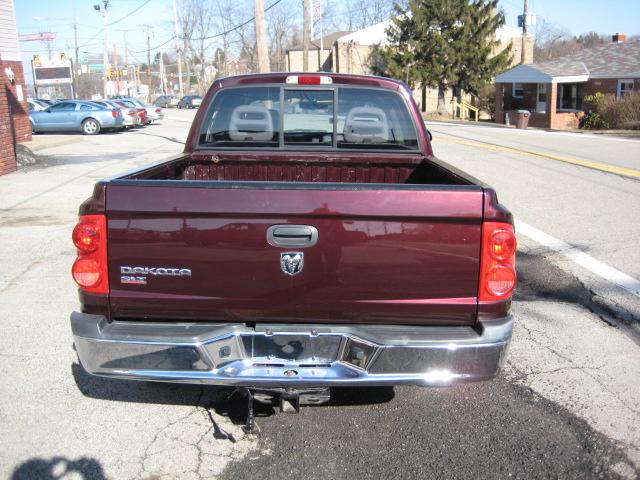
444, 43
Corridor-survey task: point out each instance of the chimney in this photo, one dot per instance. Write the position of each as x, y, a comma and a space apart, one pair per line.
618, 37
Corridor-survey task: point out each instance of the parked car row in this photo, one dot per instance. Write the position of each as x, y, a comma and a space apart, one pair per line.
91, 117
168, 101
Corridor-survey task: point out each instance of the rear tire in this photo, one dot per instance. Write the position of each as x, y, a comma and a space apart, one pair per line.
90, 127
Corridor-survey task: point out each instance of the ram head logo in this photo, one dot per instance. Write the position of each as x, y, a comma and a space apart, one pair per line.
291, 263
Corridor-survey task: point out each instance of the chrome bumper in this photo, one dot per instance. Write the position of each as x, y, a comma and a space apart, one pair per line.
290, 355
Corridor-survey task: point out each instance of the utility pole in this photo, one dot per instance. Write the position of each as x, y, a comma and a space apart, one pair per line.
148, 57
162, 85
75, 35
114, 57
524, 32
178, 50
261, 37
105, 46
76, 64
305, 35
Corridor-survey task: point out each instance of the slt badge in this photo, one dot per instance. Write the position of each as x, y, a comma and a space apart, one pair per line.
291, 263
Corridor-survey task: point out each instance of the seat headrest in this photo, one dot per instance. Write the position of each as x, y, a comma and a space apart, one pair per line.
366, 125
251, 122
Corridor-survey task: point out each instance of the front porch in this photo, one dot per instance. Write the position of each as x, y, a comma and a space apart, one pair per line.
554, 101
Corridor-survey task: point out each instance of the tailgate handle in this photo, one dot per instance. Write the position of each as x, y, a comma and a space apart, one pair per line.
292, 235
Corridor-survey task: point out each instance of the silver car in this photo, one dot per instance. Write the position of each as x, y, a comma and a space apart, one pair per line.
131, 117
76, 116
154, 113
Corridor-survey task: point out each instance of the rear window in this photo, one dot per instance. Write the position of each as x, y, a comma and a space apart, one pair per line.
340, 117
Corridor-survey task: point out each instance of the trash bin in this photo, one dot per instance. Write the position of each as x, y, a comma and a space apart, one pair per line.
522, 118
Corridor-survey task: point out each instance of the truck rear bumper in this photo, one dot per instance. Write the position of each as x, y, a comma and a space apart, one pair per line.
281, 355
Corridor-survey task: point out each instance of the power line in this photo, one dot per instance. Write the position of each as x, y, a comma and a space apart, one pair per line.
153, 48
232, 29
130, 13
116, 21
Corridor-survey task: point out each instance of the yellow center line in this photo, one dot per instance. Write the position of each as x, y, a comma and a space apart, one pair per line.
628, 172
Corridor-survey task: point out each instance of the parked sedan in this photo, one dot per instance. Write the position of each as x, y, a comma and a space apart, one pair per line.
190, 101
166, 101
132, 103
73, 115
36, 105
152, 113
130, 115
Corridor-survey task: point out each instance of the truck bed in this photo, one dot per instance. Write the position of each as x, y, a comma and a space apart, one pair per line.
314, 168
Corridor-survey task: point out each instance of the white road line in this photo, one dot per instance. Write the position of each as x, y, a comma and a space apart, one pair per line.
178, 119
577, 256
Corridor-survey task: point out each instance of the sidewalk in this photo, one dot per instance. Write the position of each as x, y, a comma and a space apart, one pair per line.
47, 140
629, 134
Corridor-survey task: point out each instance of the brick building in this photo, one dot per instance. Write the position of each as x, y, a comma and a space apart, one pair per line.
553, 91
14, 112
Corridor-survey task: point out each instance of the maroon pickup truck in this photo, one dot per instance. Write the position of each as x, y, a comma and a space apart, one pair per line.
306, 238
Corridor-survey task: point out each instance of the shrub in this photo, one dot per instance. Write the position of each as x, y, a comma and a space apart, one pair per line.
487, 99
594, 121
615, 113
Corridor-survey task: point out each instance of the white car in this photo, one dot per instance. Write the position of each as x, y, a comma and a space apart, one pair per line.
35, 105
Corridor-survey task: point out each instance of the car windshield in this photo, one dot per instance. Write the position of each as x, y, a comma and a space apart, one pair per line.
312, 117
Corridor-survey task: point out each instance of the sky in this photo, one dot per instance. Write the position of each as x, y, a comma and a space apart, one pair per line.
576, 16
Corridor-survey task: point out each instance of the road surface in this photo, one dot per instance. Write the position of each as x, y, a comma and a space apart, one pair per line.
566, 405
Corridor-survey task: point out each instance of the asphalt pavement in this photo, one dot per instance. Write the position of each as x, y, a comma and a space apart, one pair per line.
565, 406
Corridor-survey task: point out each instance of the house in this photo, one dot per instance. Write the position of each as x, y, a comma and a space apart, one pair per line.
554, 91
14, 112
351, 52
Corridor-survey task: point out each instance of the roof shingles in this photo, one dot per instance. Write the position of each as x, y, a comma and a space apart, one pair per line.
614, 60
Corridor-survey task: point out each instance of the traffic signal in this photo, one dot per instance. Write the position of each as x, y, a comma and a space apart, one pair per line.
36, 60
108, 71
63, 57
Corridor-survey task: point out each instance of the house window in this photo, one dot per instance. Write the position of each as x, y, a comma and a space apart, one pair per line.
569, 96
624, 87
518, 91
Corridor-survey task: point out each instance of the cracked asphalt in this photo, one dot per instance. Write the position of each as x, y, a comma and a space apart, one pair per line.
567, 404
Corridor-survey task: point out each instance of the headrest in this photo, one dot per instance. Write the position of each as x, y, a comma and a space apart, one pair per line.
366, 125
251, 122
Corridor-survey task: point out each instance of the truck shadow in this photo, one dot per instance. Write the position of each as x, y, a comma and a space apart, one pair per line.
84, 468
221, 399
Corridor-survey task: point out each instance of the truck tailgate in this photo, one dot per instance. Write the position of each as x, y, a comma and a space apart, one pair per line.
383, 254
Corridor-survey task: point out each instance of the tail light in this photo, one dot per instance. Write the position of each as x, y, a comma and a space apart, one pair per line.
90, 269
497, 262
158, 110
114, 113
131, 112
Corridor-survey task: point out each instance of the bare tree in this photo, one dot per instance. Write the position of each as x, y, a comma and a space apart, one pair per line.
553, 42
197, 21
228, 14
282, 31
364, 13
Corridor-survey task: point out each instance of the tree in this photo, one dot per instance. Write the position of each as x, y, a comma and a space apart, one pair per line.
553, 42
444, 43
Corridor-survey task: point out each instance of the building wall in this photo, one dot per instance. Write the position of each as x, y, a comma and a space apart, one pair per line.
516, 49
9, 48
316, 60
14, 114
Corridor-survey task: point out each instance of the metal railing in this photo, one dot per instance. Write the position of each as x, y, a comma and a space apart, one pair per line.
463, 110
